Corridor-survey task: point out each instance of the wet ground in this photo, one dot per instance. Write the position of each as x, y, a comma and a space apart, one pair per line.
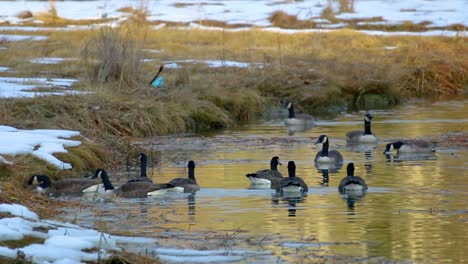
415, 209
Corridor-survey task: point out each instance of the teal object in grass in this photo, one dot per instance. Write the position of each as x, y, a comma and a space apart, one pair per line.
158, 82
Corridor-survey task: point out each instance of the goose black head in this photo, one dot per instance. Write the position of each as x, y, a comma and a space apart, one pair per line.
392, 147
143, 164
322, 139
287, 104
142, 157
368, 117
40, 179
105, 179
191, 170
350, 169
275, 161
191, 164
291, 169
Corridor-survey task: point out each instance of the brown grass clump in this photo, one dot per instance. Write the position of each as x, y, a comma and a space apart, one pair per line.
284, 20
24, 14
114, 55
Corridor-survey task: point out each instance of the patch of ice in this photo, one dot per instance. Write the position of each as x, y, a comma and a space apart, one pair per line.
11, 38
212, 63
337, 25
49, 60
40, 143
172, 65
154, 50
15, 87
4, 69
390, 47
195, 252
18, 210
200, 259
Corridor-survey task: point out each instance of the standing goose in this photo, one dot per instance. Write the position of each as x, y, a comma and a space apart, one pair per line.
64, 186
185, 185
410, 146
351, 182
292, 184
365, 136
326, 156
294, 119
143, 164
269, 177
138, 189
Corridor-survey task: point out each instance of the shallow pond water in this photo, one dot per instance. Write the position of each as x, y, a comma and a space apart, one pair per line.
414, 211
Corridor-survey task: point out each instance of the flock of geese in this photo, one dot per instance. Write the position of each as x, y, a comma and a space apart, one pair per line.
142, 186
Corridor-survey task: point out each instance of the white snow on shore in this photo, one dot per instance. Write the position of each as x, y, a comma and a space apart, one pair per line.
63, 242
42, 143
17, 87
256, 13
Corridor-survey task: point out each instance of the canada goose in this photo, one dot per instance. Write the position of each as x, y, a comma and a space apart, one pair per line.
64, 186
138, 189
292, 184
410, 146
99, 188
351, 183
186, 185
143, 164
294, 119
269, 177
365, 136
326, 156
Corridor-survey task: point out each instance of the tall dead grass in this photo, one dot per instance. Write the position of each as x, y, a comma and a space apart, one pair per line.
114, 55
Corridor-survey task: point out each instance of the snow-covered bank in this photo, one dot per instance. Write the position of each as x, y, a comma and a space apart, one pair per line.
42, 143
62, 241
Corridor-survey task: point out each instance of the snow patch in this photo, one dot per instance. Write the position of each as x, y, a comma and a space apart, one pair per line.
11, 38
19, 87
18, 210
40, 143
63, 242
51, 60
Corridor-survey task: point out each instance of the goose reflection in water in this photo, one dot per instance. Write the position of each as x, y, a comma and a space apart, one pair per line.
291, 202
399, 157
191, 204
352, 198
325, 178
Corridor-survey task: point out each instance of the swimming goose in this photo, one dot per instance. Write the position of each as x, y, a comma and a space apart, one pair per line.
326, 156
143, 164
365, 136
269, 177
292, 184
99, 188
186, 185
297, 119
64, 186
129, 189
352, 183
410, 146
